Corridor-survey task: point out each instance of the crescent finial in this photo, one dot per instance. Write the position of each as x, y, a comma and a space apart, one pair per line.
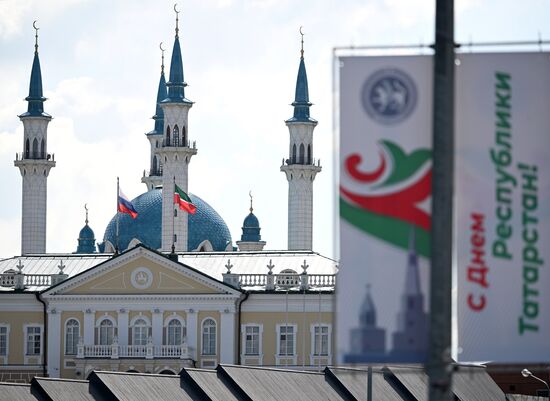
302, 49
35, 35
162, 63
177, 18
86, 208
250, 194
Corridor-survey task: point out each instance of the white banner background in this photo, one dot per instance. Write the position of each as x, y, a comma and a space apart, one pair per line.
493, 332
366, 259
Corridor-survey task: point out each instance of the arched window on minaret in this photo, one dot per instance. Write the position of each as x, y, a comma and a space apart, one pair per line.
155, 166
184, 136
168, 136
308, 154
293, 159
176, 134
302, 154
35, 148
27, 148
42, 146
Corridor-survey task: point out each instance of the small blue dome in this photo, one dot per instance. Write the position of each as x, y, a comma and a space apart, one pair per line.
251, 229
86, 233
86, 240
251, 221
205, 224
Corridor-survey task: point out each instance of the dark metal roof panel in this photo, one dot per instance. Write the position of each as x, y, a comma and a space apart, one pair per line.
414, 379
262, 384
65, 390
210, 382
471, 383
15, 392
356, 382
138, 386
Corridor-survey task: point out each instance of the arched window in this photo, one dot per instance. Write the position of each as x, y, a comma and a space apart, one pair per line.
154, 167
35, 148
27, 148
140, 332
42, 146
106, 332
184, 136
209, 337
168, 136
175, 332
293, 160
72, 333
302, 154
176, 135
308, 154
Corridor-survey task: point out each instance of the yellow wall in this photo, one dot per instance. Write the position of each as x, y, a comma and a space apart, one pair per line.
16, 321
201, 316
270, 320
64, 317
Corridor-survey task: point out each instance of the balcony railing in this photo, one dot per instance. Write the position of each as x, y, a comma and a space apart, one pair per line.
20, 280
34, 156
303, 161
179, 144
115, 351
282, 281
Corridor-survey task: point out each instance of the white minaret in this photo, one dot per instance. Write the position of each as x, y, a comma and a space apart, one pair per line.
175, 153
34, 164
300, 168
154, 177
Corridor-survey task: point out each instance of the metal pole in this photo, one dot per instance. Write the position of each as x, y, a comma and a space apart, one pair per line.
439, 359
117, 214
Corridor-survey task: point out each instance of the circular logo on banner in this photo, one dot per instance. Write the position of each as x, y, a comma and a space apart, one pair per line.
389, 96
141, 278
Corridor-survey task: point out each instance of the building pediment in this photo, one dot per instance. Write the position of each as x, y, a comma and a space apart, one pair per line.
140, 271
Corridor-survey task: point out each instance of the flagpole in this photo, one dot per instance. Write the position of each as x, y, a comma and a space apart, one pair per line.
117, 214
173, 218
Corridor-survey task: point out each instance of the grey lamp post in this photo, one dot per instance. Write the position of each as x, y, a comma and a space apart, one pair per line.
527, 373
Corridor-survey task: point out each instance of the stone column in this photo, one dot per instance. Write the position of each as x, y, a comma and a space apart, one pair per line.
55, 334
227, 336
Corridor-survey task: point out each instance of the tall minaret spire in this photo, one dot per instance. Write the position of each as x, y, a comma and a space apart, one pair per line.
175, 151
300, 167
154, 178
34, 163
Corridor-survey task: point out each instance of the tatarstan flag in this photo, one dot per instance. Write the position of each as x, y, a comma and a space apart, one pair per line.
183, 200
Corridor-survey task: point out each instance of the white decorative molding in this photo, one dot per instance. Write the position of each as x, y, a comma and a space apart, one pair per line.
251, 357
316, 359
283, 359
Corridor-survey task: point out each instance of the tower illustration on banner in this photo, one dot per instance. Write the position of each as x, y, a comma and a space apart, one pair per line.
34, 163
300, 167
409, 341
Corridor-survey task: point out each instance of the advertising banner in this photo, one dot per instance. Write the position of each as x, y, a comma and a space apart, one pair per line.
385, 185
502, 207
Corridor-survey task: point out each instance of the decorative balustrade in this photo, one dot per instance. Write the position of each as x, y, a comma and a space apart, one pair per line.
148, 351
27, 280
98, 351
252, 280
282, 281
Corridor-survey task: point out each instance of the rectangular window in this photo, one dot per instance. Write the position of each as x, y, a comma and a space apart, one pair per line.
3, 340
252, 343
286, 340
321, 341
33, 340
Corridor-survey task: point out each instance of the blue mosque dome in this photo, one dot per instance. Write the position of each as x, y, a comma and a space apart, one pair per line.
86, 233
205, 224
251, 228
86, 240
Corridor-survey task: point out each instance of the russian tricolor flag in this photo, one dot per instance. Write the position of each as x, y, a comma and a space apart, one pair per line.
125, 206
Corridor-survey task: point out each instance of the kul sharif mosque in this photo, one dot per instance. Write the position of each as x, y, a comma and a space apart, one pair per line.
166, 289
171, 155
